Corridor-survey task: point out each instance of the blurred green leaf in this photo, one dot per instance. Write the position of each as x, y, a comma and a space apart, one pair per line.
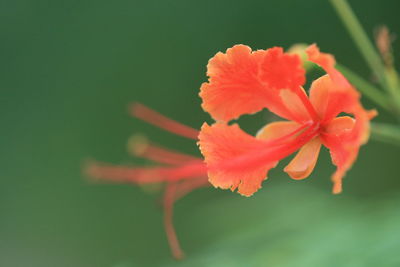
301, 226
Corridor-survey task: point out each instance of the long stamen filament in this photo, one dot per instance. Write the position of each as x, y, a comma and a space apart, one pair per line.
153, 117
308, 105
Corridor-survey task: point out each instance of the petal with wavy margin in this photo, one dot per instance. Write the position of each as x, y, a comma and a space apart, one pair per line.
245, 82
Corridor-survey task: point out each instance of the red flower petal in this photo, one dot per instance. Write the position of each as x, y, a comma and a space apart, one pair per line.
281, 70
238, 160
244, 82
221, 142
330, 99
344, 142
331, 95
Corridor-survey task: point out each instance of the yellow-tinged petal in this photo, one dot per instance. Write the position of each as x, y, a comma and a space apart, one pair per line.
340, 125
294, 104
277, 129
304, 162
319, 94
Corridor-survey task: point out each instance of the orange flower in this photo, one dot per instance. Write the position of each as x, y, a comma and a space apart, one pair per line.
181, 173
245, 82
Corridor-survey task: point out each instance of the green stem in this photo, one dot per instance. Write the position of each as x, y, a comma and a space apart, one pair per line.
361, 39
386, 78
366, 88
393, 80
386, 133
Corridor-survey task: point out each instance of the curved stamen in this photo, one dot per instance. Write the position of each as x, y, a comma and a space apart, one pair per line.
169, 199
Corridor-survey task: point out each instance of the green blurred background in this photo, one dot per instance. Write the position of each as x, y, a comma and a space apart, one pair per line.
68, 71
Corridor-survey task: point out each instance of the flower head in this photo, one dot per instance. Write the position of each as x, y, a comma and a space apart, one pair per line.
242, 81
181, 173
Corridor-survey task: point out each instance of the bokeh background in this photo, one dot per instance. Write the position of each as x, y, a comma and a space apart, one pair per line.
69, 69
